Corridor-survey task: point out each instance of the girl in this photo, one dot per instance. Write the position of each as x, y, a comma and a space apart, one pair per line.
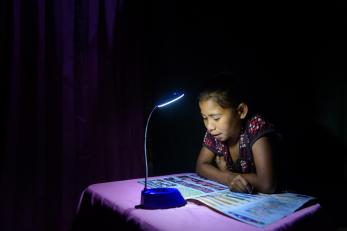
237, 148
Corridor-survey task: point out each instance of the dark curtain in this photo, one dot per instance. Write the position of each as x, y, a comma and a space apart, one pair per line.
73, 105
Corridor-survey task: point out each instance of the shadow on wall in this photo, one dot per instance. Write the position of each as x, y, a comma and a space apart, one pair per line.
311, 120
314, 161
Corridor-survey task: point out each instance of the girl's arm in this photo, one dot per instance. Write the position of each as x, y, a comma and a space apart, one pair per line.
205, 167
263, 181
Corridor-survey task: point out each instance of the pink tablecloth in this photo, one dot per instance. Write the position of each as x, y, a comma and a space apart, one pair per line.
121, 197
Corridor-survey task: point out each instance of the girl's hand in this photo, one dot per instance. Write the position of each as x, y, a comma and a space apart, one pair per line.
221, 163
239, 184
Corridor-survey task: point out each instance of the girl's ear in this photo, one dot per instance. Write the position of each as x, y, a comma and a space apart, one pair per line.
242, 110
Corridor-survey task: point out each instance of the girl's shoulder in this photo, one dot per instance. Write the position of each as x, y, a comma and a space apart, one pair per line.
257, 124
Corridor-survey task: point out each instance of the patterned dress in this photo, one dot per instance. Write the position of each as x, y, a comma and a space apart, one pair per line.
254, 128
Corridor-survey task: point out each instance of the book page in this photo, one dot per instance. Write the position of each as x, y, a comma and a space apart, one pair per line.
255, 209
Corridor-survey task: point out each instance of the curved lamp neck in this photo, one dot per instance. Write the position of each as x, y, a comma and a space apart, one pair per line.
145, 143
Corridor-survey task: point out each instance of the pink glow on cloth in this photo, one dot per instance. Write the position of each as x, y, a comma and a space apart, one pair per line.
123, 196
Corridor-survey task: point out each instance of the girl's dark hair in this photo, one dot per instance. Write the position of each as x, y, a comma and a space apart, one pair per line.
227, 89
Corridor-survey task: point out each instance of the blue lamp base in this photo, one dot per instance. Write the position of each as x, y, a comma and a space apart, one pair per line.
161, 198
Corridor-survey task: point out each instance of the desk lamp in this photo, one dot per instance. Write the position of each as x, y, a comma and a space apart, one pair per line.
160, 198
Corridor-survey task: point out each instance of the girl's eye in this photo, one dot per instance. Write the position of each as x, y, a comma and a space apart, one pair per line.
216, 119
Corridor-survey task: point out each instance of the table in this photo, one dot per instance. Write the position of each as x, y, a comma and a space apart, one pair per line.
111, 206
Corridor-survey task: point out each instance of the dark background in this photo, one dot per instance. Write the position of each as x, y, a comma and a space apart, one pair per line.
75, 107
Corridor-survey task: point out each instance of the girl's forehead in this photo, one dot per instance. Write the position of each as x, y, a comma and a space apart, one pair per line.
211, 102
210, 106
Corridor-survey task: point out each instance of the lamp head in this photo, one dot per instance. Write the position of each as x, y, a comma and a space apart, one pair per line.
172, 98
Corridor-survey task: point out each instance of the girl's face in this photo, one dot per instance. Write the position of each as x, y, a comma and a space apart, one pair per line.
223, 123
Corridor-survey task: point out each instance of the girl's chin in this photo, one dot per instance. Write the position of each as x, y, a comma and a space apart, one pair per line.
221, 138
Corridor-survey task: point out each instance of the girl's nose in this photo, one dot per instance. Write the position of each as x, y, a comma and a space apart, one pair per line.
210, 126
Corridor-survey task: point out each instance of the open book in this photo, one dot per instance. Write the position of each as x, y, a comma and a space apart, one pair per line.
256, 209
